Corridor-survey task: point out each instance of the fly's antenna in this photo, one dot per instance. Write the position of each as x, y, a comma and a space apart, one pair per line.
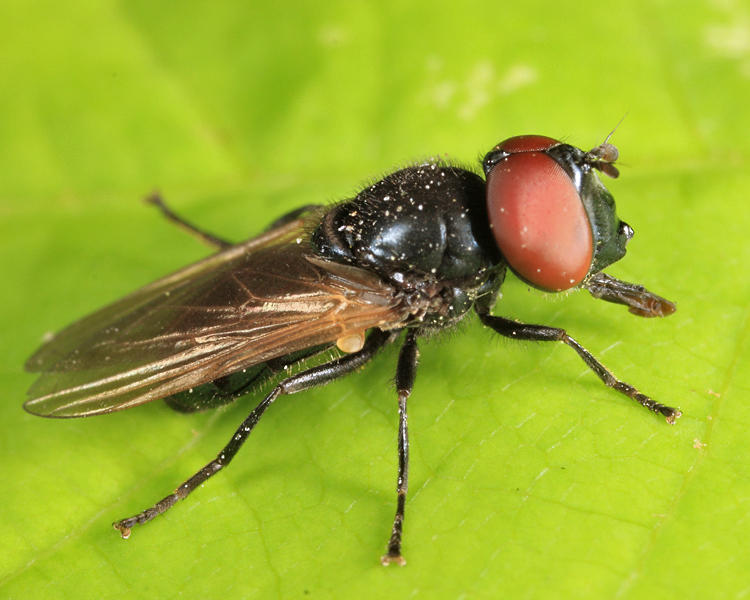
605, 154
611, 133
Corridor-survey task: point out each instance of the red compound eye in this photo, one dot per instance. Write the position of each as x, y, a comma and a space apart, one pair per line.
527, 143
537, 217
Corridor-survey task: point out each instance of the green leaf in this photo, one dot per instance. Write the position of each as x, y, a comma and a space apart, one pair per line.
528, 477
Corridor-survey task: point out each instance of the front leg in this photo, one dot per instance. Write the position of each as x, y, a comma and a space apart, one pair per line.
543, 333
640, 301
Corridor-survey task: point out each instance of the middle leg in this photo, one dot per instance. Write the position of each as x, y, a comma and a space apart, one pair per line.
406, 373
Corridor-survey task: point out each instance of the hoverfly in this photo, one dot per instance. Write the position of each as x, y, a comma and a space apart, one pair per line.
409, 255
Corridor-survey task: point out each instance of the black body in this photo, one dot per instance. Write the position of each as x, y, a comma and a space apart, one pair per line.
422, 229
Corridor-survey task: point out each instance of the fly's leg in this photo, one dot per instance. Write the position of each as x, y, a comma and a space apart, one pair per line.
230, 387
406, 372
292, 216
311, 377
203, 236
637, 298
543, 333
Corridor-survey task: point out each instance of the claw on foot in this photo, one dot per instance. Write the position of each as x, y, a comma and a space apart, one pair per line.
124, 531
671, 418
387, 559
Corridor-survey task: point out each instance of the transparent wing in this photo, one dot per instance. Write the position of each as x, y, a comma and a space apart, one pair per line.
252, 302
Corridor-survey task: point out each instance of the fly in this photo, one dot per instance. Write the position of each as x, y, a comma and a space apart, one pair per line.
409, 255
